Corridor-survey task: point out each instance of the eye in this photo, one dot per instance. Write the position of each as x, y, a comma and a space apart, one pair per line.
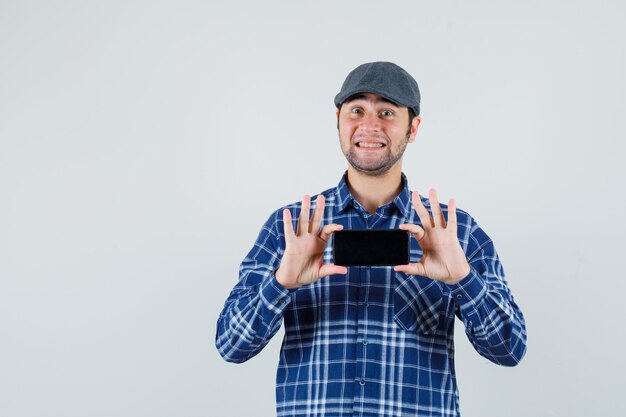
386, 113
356, 110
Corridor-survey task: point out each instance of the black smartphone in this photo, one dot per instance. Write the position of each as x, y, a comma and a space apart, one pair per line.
380, 247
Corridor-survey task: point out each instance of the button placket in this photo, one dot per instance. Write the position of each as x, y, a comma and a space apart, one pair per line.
361, 349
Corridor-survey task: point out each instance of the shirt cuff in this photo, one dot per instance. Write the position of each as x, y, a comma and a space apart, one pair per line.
470, 290
275, 297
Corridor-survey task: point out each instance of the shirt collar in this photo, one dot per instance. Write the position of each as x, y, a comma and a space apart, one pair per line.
344, 198
402, 201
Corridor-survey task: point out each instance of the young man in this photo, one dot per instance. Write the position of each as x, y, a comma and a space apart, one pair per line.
371, 341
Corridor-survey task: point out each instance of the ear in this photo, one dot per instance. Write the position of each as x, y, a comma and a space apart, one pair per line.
414, 125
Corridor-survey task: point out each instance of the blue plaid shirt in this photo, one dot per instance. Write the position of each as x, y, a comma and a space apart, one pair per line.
373, 342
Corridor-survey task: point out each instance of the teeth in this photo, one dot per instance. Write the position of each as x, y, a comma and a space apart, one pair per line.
370, 145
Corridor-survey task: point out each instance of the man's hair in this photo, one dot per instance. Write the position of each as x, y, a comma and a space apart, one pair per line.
411, 115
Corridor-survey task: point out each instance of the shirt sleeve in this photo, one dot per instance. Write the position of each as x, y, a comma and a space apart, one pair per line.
254, 309
493, 322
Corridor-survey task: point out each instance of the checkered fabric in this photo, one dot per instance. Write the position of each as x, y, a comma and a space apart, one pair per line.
373, 342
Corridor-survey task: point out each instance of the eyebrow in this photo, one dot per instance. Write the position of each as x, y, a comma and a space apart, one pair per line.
362, 97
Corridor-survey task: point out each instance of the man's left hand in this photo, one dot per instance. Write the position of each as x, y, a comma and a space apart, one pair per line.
443, 258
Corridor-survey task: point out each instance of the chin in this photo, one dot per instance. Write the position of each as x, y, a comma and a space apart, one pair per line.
371, 172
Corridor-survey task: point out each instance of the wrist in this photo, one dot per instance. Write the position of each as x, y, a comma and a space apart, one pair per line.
279, 277
463, 272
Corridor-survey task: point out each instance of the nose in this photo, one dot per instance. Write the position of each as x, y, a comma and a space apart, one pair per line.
370, 123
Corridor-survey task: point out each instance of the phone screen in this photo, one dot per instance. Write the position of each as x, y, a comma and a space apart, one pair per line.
384, 247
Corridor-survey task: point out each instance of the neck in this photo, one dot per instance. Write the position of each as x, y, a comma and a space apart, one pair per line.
375, 191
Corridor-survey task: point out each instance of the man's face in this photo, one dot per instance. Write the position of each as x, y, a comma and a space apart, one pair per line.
374, 132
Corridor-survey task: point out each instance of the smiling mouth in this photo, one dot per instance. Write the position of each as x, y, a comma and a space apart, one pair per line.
369, 145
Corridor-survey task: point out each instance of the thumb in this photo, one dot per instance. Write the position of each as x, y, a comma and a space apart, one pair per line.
411, 269
332, 269
414, 229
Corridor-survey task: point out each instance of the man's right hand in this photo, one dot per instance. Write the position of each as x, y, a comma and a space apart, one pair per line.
303, 260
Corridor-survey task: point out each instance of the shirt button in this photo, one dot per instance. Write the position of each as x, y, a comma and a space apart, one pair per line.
364, 342
283, 301
459, 296
361, 382
365, 305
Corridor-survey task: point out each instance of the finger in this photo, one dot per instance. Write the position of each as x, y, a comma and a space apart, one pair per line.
318, 214
411, 269
332, 269
421, 211
438, 219
287, 224
452, 215
328, 230
414, 229
303, 220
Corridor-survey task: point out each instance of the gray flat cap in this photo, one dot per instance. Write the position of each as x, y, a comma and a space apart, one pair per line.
385, 79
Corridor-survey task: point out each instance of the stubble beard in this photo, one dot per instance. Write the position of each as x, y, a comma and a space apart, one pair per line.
378, 167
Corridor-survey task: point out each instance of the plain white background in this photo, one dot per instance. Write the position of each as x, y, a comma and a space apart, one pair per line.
144, 143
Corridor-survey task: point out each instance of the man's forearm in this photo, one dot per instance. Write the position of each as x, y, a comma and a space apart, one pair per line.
250, 319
